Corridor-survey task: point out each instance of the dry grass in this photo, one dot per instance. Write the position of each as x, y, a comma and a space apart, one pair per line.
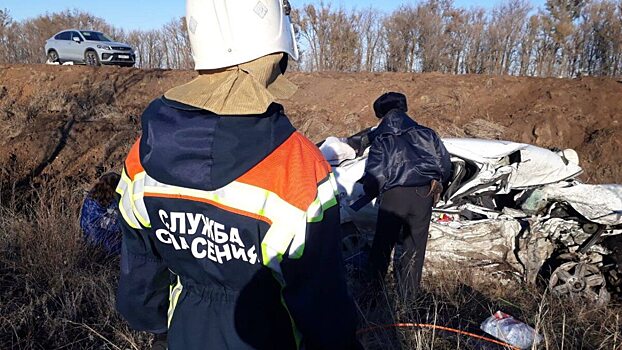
462, 300
55, 293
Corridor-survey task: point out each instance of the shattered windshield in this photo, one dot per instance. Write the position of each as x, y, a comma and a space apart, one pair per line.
94, 36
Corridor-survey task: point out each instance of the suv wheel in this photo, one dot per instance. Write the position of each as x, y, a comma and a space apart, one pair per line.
91, 59
53, 56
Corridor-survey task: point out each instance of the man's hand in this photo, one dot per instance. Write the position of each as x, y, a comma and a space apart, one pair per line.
436, 189
370, 185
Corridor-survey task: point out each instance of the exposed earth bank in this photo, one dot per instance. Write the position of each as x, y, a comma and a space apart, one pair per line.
77, 122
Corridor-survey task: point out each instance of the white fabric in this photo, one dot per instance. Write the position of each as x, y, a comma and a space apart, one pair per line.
336, 151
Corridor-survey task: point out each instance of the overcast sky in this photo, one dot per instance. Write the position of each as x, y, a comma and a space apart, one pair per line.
150, 14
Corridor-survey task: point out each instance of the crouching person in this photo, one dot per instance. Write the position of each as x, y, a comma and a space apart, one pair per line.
407, 167
222, 191
99, 216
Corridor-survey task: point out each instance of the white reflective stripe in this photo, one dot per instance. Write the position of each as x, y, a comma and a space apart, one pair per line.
237, 195
333, 183
287, 220
298, 244
240, 198
138, 203
289, 224
271, 260
325, 199
173, 298
125, 204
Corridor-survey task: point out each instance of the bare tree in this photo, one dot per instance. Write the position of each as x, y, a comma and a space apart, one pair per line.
370, 29
400, 33
601, 35
567, 38
5, 26
561, 24
332, 36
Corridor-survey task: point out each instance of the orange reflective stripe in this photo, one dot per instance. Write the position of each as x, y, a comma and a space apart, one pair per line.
132, 162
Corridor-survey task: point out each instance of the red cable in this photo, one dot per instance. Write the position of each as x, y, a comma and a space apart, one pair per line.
433, 326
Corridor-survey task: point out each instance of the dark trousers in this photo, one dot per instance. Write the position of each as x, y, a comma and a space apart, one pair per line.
404, 217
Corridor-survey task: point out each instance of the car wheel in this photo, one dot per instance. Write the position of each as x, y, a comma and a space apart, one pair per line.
580, 280
53, 56
91, 59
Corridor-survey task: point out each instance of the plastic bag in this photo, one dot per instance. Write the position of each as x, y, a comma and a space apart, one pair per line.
510, 330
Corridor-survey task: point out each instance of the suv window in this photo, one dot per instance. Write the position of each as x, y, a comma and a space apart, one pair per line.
63, 36
94, 36
75, 34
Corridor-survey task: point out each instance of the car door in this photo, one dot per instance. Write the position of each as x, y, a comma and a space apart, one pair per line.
61, 46
76, 49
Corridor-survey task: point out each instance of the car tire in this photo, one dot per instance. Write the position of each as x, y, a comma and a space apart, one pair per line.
91, 59
53, 56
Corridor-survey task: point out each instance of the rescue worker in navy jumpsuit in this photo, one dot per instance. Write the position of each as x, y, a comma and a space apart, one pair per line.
407, 166
230, 221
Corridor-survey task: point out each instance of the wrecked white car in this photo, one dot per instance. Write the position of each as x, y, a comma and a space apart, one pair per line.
510, 207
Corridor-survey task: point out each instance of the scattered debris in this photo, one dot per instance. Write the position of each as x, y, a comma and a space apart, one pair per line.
508, 329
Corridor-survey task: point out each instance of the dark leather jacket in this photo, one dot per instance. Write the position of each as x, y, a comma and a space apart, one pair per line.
404, 154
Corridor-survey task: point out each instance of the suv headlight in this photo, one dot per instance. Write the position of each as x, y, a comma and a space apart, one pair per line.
105, 47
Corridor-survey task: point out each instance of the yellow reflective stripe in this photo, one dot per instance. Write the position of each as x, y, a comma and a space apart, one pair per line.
236, 195
289, 226
325, 199
297, 333
173, 298
271, 260
137, 200
298, 244
288, 222
125, 203
279, 237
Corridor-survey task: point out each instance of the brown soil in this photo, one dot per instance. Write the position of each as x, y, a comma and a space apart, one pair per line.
77, 122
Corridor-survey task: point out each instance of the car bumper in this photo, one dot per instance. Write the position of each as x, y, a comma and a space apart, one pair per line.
117, 58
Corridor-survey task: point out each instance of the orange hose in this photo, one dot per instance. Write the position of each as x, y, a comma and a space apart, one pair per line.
433, 326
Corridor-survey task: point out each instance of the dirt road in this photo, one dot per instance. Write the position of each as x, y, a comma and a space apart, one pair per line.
76, 122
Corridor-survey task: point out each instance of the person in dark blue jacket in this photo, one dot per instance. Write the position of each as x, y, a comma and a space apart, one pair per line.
99, 216
407, 166
222, 193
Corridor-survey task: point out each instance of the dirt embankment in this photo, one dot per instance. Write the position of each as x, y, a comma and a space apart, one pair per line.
75, 122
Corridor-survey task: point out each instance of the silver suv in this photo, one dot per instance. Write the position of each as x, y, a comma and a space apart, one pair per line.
88, 47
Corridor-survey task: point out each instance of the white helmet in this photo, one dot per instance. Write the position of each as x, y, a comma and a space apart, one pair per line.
225, 33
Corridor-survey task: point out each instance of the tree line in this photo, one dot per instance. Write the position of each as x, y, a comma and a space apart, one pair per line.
566, 38
23, 41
